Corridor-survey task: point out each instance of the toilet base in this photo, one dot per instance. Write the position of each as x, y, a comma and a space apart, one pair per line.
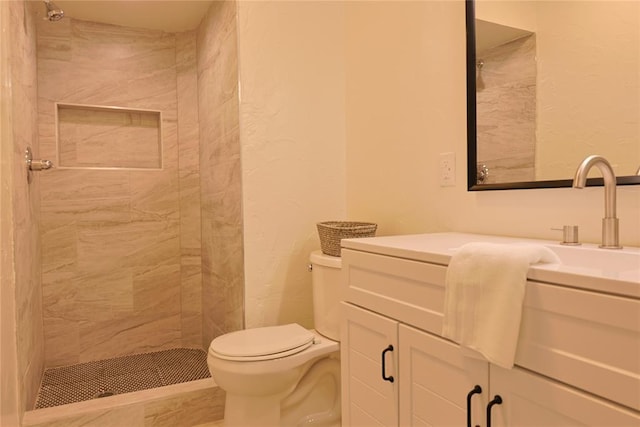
247, 411
315, 401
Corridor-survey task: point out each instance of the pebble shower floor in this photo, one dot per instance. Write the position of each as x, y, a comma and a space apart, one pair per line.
102, 378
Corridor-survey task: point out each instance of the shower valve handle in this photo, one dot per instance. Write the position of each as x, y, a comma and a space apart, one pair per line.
36, 165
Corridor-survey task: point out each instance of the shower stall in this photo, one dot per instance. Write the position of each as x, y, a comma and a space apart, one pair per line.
128, 252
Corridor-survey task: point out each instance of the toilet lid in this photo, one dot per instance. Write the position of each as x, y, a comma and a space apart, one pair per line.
264, 343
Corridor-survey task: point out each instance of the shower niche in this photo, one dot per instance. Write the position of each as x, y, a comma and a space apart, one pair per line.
101, 137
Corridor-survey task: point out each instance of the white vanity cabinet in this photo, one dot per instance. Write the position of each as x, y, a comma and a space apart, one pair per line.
577, 363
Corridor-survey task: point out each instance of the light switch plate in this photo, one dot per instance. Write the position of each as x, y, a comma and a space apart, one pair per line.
447, 169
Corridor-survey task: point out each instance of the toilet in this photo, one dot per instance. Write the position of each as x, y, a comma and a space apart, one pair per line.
285, 375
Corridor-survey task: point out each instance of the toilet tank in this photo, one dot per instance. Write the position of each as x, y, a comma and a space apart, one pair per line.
325, 277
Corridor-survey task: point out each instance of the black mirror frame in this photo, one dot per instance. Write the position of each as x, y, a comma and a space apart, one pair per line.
472, 154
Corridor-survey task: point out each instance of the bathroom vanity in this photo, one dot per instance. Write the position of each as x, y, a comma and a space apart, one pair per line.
578, 354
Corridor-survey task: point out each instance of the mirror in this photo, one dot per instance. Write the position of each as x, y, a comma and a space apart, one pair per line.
549, 83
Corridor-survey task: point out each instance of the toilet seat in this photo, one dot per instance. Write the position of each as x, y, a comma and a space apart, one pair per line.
264, 343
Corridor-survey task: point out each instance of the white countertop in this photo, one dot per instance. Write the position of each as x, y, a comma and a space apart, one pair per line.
614, 271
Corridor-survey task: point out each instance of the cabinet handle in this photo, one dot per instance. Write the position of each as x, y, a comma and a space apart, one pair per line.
476, 390
384, 370
497, 400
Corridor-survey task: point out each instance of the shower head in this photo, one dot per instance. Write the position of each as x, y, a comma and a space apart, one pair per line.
54, 13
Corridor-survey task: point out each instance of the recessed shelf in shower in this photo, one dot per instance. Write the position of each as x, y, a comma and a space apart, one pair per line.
100, 137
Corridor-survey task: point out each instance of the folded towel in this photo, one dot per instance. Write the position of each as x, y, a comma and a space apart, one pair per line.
484, 292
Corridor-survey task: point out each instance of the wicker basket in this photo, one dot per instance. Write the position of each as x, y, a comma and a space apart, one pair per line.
332, 232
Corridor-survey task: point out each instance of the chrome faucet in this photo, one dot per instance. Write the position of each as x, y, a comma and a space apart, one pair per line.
610, 234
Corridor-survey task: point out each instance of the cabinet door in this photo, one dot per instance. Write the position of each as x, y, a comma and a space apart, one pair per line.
532, 400
435, 381
367, 398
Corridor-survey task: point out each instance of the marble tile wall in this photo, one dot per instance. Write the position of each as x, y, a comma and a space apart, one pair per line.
189, 181
220, 172
506, 111
9, 412
22, 204
118, 246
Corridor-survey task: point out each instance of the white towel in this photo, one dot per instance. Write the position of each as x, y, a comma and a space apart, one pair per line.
484, 292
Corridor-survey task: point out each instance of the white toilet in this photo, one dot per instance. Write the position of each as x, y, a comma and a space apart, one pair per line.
285, 375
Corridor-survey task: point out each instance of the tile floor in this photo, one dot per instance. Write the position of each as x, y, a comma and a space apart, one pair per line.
120, 375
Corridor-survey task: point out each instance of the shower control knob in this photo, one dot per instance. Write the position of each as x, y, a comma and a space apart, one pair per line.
36, 165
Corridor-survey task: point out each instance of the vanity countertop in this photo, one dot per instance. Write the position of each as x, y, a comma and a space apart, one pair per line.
586, 266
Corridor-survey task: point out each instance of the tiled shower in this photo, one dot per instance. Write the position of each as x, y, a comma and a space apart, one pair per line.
506, 109
133, 242
111, 235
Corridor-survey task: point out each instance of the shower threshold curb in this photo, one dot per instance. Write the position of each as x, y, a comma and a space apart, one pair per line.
44, 415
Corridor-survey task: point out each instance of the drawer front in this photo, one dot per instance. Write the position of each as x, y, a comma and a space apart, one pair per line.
409, 291
583, 338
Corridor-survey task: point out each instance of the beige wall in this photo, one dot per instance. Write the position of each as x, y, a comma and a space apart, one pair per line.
118, 245
589, 86
220, 172
409, 106
22, 344
403, 86
292, 117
